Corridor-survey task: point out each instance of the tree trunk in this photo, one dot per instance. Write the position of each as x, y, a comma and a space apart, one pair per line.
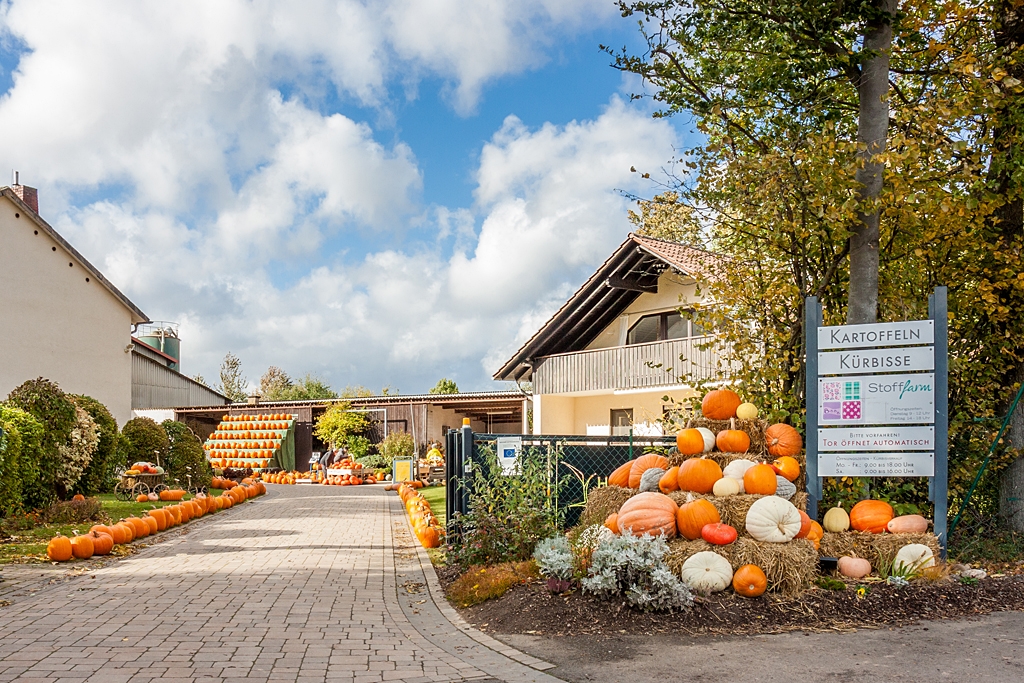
1009, 217
872, 131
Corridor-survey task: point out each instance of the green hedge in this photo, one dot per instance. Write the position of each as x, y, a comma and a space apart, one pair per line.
52, 408
19, 457
186, 463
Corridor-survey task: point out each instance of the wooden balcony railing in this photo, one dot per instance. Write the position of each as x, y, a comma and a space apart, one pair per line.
637, 366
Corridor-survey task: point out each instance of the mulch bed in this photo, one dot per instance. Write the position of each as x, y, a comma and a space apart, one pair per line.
531, 609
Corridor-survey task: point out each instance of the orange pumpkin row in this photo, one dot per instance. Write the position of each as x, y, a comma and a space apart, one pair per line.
246, 418
279, 478
424, 524
700, 474
350, 480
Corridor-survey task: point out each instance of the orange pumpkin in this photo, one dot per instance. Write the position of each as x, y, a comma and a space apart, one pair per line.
141, 498
815, 534
760, 479
122, 533
81, 547
788, 467
668, 482
805, 525
612, 522
140, 527
151, 523
161, 519
720, 404
59, 548
871, 516
783, 440
698, 475
78, 496
100, 529
649, 512
693, 515
102, 544
620, 477
690, 442
644, 463
733, 440
749, 581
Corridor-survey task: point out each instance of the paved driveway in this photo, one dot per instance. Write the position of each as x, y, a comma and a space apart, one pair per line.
308, 583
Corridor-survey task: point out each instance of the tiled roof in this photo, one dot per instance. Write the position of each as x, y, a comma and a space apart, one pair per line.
690, 260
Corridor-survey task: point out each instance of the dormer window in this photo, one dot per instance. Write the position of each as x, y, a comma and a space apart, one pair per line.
664, 326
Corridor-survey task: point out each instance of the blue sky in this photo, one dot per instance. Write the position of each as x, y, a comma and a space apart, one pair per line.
382, 193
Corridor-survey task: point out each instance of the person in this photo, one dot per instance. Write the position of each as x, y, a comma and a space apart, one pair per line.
326, 459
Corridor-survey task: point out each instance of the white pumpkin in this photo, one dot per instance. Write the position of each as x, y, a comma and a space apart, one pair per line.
746, 411
912, 558
737, 468
707, 572
727, 486
709, 439
773, 519
784, 487
836, 520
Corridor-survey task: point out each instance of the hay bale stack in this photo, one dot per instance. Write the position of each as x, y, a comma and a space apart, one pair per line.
733, 509
603, 501
790, 567
724, 459
874, 548
753, 428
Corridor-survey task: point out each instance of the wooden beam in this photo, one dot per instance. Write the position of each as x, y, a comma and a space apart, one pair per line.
619, 283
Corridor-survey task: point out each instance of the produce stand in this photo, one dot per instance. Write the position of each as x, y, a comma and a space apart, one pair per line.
132, 485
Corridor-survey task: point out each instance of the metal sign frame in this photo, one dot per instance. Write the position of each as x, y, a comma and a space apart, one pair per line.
938, 485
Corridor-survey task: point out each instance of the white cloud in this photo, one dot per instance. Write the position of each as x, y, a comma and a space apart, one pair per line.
229, 206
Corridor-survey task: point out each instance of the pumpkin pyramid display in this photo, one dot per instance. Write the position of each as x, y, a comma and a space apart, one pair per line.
248, 441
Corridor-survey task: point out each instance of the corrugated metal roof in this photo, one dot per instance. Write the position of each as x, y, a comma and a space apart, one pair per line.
465, 397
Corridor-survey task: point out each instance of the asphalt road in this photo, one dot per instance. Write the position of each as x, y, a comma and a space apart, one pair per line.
990, 648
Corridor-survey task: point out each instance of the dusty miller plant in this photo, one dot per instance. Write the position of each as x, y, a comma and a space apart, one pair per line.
554, 557
634, 568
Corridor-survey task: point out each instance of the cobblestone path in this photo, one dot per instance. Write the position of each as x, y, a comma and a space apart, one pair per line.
307, 583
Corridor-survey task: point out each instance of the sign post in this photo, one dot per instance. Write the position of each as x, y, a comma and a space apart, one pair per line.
877, 399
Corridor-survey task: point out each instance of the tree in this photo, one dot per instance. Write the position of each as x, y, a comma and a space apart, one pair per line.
357, 391
338, 422
186, 463
201, 380
274, 383
309, 388
143, 440
99, 476
445, 386
232, 383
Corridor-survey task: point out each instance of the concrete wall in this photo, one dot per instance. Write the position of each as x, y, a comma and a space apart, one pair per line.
592, 414
674, 291
58, 322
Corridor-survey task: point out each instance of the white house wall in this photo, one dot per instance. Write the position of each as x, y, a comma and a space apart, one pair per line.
55, 324
592, 414
674, 291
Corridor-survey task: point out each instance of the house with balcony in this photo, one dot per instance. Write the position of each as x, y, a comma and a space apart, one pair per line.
629, 337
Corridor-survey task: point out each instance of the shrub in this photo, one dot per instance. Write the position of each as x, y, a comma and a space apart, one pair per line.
339, 422
508, 514
99, 476
77, 453
55, 412
396, 445
633, 568
554, 557
143, 440
73, 512
19, 455
484, 583
358, 446
186, 462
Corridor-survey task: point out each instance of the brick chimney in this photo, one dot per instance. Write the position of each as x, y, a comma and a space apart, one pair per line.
27, 194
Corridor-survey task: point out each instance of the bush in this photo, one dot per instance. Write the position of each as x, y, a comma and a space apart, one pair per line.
19, 453
396, 445
77, 454
484, 583
508, 514
58, 417
143, 440
187, 458
358, 446
340, 422
100, 475
633, 568
73, 512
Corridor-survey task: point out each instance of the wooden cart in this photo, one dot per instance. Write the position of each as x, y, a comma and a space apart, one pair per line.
133, 485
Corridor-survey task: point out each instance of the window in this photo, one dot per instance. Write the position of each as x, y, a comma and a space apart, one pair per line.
663, 326
622, 421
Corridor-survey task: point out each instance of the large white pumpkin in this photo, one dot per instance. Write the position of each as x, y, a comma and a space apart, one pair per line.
737, 468
707, 572
709, 439
912, 558
773, 519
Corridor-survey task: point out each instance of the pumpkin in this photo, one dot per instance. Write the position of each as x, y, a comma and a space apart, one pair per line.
854, 567
706, 572
788, 467
644, 463
760, 479
907, 524
142, 498
151, 523
773, 520
726, 486
100, 529
783, 440
815, 534
871, 516
650, 479
122, 533
737, 468
81, 547
746, 411
651, 513
78, 496
733, 440
140, 527
154, 497
693, 515
690, 442
718, 533
102, 544
59, 548
698, 475
620, 477
749, 581
161, 519
912, 558
612, 523
668, 482
720, 404
784, 488
805, 525
836, 520
429, 537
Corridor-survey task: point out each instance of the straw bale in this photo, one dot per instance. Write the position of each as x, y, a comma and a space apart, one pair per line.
790, 567
872, 547
753, 428
733, 509
602, 502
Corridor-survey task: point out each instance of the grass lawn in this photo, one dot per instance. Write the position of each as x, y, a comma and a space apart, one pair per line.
29, 545
435, 496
